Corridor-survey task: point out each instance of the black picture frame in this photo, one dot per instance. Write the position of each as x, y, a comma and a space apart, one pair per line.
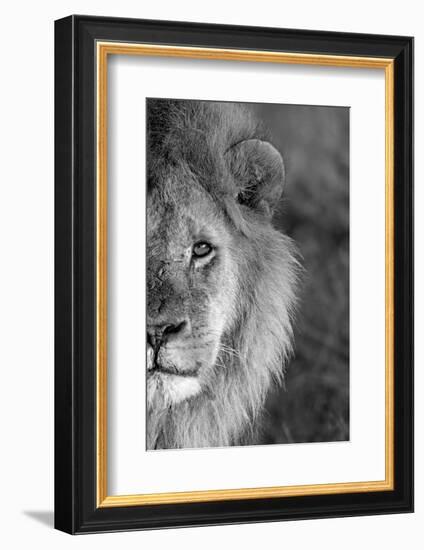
76, 509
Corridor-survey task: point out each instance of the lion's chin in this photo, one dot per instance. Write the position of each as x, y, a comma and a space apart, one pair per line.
165, 389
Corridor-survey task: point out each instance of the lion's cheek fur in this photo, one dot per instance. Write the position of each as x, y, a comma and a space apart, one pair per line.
222, 288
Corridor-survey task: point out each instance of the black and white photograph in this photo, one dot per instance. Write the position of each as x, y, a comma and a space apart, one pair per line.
247, 274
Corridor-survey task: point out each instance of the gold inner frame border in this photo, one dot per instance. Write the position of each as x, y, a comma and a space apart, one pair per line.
103, 50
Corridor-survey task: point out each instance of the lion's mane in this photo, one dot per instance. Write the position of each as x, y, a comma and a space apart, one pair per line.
255, 351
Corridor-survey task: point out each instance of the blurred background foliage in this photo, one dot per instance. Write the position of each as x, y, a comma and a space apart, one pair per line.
314, 210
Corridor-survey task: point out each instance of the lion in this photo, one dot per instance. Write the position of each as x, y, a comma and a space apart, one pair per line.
221, 281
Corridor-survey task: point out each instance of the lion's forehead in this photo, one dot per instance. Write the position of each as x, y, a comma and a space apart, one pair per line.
177, 216
171, 230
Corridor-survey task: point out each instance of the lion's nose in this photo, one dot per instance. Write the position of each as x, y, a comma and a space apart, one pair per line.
159, 334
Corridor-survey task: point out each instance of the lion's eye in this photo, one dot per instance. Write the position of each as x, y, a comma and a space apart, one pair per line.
201, 249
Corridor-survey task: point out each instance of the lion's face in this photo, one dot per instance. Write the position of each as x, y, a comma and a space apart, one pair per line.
191, 274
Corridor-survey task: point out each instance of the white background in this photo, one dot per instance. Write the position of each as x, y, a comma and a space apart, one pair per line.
26, 289
131, 80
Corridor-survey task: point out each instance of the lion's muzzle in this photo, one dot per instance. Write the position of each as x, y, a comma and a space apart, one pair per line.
160, 337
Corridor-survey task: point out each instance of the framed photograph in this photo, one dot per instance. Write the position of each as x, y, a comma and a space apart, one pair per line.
233, 268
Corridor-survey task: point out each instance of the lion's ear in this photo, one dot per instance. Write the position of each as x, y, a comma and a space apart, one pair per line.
258, 170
